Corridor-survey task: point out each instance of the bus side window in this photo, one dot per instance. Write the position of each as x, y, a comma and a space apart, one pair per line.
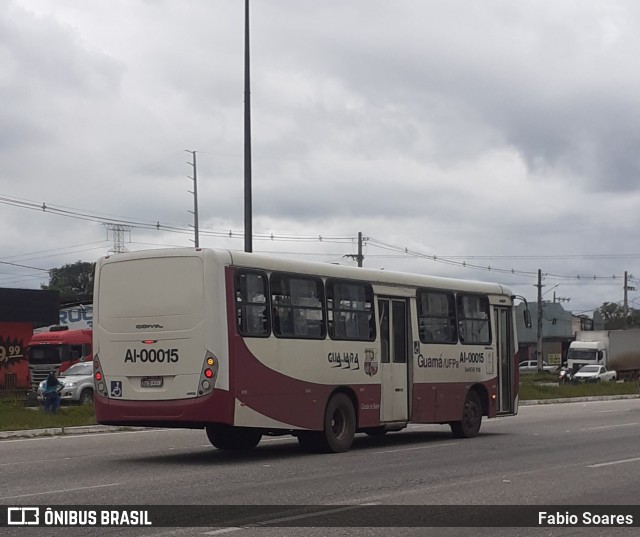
384, 330
350, 310
437, 316
298, 302
473, 319
252, 316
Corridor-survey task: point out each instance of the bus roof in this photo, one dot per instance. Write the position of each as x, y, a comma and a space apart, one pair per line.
282, 264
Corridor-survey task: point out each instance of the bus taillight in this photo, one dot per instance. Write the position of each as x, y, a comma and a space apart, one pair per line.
101, 386
209, 374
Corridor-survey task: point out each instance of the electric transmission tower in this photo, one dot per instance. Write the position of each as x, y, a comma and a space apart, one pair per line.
118, 231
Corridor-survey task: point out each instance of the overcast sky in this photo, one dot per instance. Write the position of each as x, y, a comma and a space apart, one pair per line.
496, 133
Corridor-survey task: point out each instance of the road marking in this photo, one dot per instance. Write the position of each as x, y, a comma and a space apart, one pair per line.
600, 465
59, 491
31, 462
415, 448
610, 426
291, 518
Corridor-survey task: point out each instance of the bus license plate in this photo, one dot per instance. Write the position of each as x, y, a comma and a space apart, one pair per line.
151, 382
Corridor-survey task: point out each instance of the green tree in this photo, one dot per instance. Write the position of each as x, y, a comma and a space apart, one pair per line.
614, 318
74, 282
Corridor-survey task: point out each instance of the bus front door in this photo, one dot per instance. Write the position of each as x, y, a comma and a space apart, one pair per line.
505, 403
394, 338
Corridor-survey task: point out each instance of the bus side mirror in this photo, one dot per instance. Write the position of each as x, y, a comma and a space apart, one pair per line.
525, 313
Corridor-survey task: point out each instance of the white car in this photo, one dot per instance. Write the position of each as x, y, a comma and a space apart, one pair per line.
595, 373
77, 384
531, 366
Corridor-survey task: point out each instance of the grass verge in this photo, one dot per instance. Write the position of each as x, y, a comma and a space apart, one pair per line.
14, 416
542, 386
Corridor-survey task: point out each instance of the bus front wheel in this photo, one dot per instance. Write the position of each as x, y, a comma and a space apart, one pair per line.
469, 425
236, 438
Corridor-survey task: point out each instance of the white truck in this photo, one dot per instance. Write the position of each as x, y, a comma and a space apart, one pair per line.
618, 350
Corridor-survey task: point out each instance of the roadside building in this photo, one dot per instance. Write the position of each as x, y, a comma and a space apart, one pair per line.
21, 310
559, 328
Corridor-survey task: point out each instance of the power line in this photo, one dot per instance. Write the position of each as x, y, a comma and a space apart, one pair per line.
23, 266
459, 261
464, 264
171, 228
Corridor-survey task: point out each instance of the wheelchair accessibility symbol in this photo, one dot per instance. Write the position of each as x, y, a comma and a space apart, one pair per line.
116, 388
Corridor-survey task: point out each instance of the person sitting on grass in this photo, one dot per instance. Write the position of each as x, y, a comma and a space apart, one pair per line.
52, 394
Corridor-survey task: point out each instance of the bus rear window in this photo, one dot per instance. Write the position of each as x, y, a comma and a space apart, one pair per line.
171, 286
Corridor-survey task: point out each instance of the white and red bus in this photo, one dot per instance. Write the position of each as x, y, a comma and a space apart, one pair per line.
244, 345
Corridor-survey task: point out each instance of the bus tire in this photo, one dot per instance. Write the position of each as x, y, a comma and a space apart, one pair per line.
339, 424
469, 425
233, 438
86, 396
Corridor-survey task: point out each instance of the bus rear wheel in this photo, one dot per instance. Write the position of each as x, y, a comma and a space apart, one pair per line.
469, 425
339, 424
235, 438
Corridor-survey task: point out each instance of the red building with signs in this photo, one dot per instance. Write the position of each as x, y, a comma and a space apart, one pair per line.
20, 311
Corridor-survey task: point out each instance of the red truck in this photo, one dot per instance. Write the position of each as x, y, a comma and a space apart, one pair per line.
57, 350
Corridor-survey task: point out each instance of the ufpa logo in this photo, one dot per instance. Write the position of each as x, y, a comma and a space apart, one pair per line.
23, 516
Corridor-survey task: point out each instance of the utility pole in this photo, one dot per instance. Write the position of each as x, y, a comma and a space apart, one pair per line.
539, 342
248, 225
195, 198
626, 303
358, 257
627, 287
560, 298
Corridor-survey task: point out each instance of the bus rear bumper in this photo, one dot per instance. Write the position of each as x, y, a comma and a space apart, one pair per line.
186, 413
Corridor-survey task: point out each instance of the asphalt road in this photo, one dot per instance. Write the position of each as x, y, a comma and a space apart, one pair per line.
567, 454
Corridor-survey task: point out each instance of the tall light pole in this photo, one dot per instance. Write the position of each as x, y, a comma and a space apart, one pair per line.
195, 198
248, 227
539, 354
